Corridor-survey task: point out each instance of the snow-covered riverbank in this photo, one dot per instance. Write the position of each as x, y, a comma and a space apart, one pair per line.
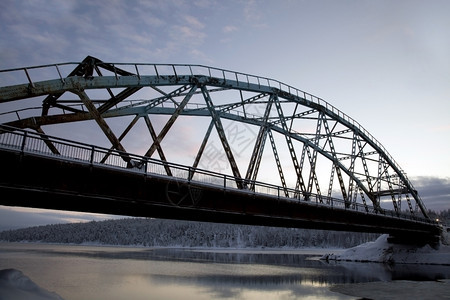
383, 252
16, 285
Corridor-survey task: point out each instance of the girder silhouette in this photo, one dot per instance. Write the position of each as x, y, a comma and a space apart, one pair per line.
312, 148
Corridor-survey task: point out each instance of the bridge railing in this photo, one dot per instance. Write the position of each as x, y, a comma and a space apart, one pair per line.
40, 144
61, 70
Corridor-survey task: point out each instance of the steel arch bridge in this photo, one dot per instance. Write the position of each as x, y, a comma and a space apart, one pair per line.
253, 128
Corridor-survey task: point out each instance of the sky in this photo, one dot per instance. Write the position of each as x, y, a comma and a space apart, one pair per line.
386, 64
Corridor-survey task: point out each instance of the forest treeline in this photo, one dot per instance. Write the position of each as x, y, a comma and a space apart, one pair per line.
172, 233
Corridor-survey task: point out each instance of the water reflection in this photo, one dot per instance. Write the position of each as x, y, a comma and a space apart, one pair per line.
78, 272
307, 270
366, 272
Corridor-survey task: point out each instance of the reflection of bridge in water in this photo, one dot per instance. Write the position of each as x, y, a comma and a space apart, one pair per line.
325, 170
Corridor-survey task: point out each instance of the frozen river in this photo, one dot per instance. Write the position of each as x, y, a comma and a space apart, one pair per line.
91, 272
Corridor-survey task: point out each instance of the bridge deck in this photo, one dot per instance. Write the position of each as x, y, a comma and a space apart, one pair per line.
41, 181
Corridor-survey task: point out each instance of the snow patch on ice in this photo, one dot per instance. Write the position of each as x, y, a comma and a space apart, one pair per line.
384, 252
15, 285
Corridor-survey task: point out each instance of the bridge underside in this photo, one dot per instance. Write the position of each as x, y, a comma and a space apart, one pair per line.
41, 182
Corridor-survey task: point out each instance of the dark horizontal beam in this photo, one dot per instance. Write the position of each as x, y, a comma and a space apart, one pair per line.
42, 182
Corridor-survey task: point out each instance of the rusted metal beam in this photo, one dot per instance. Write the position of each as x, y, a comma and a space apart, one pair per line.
124, 133
47, 141
34, 122
118, 98
157, 144
79, 70
170, 122
202, 148
100, 121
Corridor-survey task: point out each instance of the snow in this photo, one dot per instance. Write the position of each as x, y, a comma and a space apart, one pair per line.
15, 285
384, 252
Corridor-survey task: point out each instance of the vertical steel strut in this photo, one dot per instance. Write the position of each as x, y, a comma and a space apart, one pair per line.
351, 190
335, 161
260, 139
388, 178
408, 200
302, 162
258, 161
380, 159
363, 198
368, 177
202, 148
298, 171
330, 184
313, 158
277, 160
218, 124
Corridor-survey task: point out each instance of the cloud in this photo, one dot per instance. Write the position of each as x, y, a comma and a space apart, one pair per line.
200, 55
70, 30
229, 29
205, 3
187, 37
194, 22
442, 128
253, 14
434, 191
21, 217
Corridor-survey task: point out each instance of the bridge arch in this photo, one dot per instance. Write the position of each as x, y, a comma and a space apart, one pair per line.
318, 151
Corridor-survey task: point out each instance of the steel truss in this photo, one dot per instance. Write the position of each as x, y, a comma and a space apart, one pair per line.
307, 136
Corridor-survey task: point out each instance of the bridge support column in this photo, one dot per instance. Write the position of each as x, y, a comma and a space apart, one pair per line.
418, 240
445, 235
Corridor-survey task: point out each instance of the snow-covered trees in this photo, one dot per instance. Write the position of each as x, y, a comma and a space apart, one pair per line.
171, 233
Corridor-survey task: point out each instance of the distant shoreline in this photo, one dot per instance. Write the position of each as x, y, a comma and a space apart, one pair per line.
250, 250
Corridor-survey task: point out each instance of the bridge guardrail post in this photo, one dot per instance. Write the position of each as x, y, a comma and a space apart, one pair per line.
22, 147
190, 174
91, 161
29, 78
145, 164
63, 81
137, 72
